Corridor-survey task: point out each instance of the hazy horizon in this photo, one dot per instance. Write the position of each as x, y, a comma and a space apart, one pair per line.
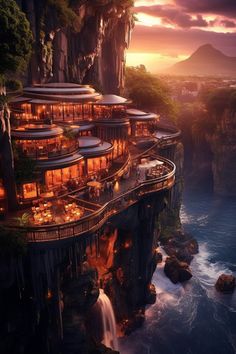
169, 31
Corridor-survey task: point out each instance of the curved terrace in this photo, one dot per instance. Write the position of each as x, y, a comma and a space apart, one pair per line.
77, 190
128, 193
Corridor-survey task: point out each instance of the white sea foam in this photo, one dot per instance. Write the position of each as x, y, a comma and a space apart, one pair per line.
186, 218
208, 272
168, 294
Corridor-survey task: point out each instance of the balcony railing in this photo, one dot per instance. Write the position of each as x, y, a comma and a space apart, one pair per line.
96, 219
47, 153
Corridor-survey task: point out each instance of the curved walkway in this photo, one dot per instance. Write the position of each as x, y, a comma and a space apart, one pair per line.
128, 192
121, 200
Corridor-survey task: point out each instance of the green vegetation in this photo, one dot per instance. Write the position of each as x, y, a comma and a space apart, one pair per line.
169, 221
122, 3
24, 169
12, 243
193, 116
69, 134
218, 100
13, 85
15, 38
148, 92
3, 101
22, 220
64, 14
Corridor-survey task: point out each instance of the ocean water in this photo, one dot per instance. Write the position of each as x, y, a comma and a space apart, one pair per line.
193, 318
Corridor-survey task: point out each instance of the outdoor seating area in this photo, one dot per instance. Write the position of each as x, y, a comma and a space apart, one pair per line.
75, 173
57, 211
149, 169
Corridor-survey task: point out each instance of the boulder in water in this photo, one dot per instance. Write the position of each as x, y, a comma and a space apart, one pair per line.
177, 271
158, 257
134, 323
225, 283
99, 348
151, 294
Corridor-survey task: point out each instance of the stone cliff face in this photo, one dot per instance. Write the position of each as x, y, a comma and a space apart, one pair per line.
211, 153
170, 217
223, 146
83, 44
135, 261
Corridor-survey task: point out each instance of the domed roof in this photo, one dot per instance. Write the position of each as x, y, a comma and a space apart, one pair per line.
36, 132
135, 112
111, 100
137, 115
57, 93
88, 141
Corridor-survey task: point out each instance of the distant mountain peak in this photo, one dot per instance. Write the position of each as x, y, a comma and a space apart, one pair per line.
206, 60
207, 50
206, 47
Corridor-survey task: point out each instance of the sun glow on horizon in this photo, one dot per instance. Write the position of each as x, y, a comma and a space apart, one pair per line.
151, 2
147, 20
154, 62
167, 32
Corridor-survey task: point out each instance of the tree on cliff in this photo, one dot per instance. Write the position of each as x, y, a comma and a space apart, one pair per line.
15, 38
148, 92
15, 49
217, 101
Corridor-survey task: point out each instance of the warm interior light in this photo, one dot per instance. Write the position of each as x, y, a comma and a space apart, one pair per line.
29, 190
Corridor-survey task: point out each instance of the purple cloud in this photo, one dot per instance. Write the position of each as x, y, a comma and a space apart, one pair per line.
228, 23
181, 41
173, 15
223, 7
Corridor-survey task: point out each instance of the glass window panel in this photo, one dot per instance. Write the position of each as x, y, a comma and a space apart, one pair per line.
29, 190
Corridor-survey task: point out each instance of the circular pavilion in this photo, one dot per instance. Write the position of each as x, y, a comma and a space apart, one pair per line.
98, 154
141, 123
54, 103
39, 141
50, 158
111, 122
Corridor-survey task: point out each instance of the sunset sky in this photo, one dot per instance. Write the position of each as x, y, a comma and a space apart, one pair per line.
168, 31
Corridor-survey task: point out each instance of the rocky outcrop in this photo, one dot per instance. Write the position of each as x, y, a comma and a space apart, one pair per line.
101, 349
151, 294
223, 147
177, 271
181, 245
210, 147
135, 260
225, 283
83, 44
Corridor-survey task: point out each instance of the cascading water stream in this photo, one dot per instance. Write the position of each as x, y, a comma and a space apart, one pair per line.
108, 321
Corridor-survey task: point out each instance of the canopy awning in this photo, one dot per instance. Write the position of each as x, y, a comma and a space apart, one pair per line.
94, 184
150, 164
58, 163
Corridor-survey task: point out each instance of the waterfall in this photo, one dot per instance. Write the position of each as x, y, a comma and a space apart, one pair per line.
108, 321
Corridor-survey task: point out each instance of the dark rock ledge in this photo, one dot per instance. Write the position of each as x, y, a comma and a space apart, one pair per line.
181, 247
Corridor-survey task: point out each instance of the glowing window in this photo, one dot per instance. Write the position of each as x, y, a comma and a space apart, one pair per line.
29, 190
2, 191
